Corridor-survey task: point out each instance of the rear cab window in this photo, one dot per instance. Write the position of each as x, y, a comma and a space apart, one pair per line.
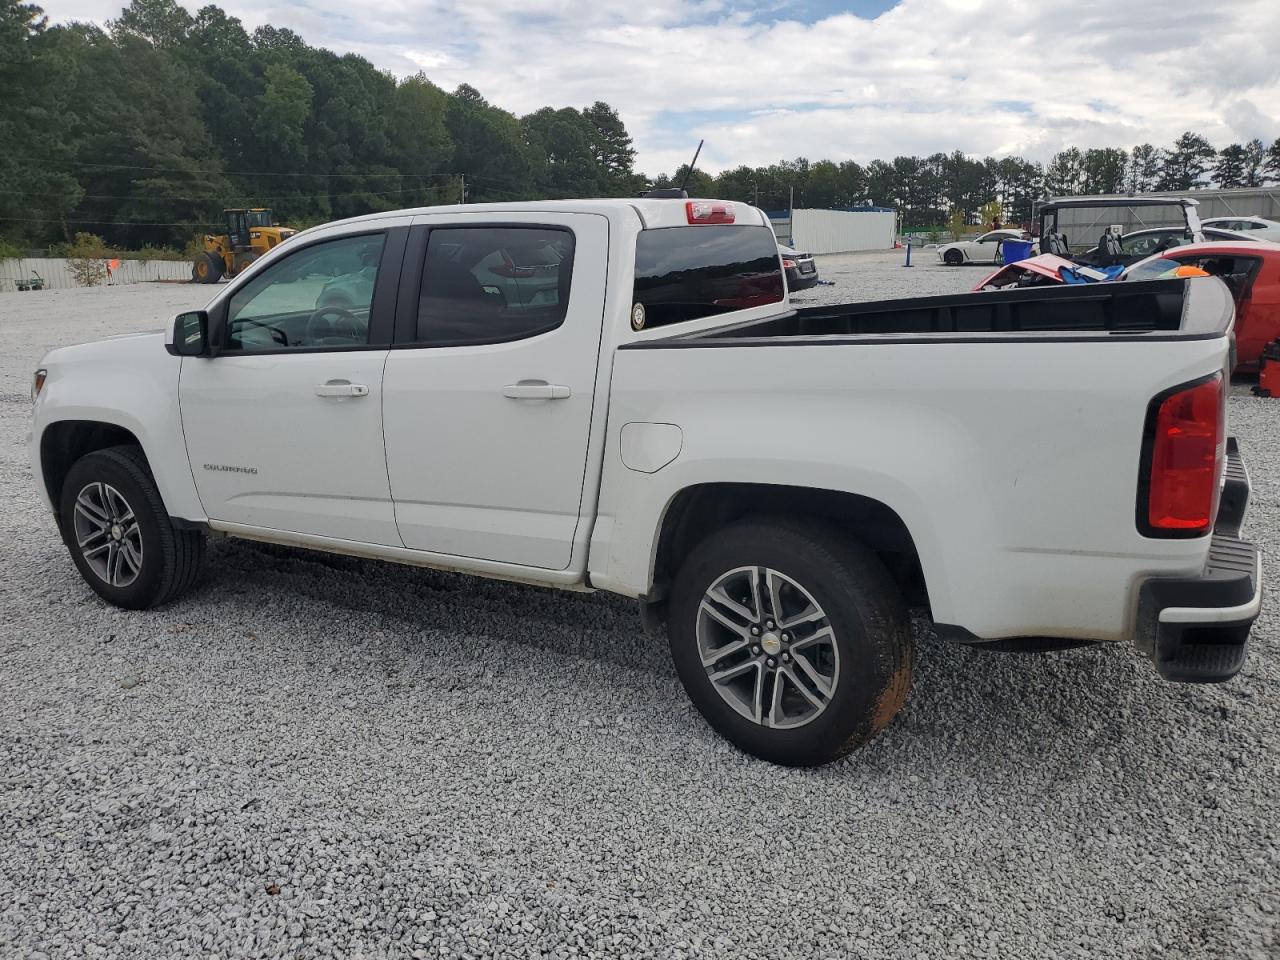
687, 273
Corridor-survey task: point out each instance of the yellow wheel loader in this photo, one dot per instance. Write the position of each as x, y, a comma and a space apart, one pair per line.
250, 234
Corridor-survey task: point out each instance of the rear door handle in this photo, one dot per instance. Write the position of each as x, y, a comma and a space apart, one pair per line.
341, 388
536, 390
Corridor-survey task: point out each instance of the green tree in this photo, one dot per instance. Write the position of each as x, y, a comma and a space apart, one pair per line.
822, 189
611, 150
881, 185
1187, 163
283, 111
162, 23
1255, 154
1271, 166
1104, 170
563, 151
1230, 168
852, 180
489, 148
37, 189
1020, 184
420, 142
1065, 174
223, 61
149, 171
1145, 162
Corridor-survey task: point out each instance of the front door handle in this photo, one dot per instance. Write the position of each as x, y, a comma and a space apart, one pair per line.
535, 390
341, 388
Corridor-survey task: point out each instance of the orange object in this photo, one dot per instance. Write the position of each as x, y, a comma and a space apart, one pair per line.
113, 264
1269, 371
1186, 270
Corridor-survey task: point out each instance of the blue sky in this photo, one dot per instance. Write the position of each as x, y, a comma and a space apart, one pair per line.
763, 80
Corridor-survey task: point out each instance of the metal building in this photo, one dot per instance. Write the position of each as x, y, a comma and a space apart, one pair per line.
836, 231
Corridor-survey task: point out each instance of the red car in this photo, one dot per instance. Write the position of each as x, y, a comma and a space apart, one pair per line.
1252, 271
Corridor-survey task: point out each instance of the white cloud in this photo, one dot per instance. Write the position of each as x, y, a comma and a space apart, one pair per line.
925, 76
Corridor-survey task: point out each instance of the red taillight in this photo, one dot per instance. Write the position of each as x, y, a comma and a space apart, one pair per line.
788, 264
708, 211
1186, 432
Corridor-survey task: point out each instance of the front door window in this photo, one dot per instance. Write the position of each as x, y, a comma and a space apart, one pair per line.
319, 297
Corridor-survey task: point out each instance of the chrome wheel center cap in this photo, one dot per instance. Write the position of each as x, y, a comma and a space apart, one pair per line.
117, 533
770, 643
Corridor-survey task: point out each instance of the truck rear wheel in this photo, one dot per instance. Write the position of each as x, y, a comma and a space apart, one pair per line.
793, 643
119, 534
207, 268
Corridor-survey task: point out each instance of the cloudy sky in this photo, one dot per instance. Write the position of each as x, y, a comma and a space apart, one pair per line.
763, 80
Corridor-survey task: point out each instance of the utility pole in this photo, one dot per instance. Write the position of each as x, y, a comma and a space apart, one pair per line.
791, 202
462, 188
755, 194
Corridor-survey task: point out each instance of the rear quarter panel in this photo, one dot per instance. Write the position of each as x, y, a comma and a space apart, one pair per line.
1014, 465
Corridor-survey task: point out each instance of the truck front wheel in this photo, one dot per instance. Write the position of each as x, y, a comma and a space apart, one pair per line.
119, 534
792, 642
206, 268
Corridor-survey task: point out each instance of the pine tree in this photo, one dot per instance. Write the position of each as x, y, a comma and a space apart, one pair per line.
1230, 169
1187, 163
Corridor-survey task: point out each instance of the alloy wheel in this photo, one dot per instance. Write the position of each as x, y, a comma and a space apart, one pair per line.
768, 647
107, 534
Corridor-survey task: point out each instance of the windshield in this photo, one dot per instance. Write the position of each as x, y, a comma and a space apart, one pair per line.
258, 218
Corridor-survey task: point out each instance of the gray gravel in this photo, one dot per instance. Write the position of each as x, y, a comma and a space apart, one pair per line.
882, 275
317, 756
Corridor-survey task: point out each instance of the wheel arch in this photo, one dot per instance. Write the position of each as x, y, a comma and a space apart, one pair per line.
63, 442
697, 511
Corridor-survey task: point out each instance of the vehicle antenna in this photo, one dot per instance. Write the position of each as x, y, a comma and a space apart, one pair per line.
689, 172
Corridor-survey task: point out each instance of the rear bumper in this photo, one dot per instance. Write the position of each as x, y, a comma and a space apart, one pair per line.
1196, 629
800, 281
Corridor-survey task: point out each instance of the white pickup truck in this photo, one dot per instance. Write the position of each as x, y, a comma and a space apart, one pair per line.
616, 395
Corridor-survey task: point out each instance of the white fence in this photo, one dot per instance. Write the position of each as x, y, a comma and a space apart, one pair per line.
57, 275
842, 231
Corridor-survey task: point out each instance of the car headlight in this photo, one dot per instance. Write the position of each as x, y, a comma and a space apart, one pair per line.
37, 383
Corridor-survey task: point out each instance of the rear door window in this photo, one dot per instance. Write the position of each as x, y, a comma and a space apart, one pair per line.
686, 273
491, 284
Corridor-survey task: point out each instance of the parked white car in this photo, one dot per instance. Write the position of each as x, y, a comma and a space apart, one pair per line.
617, 395
983, 249
1258, 228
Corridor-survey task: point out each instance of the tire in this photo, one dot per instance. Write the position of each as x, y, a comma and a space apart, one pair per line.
207, 268
865, 665
242, 260
953, 258
155, 562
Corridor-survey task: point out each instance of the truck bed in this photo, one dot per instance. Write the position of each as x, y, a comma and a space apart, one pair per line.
1173, 308
1003, 429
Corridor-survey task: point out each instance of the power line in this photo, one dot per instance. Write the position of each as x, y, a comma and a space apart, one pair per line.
109, 223
248, 198
247, 173
270, 173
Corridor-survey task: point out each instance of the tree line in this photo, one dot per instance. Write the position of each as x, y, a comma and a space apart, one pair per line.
932, 190
142, 132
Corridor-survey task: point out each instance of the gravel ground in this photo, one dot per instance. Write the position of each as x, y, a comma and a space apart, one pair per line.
316, 756
881, 275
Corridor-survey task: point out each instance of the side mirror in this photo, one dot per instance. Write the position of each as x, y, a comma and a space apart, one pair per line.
190, 335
